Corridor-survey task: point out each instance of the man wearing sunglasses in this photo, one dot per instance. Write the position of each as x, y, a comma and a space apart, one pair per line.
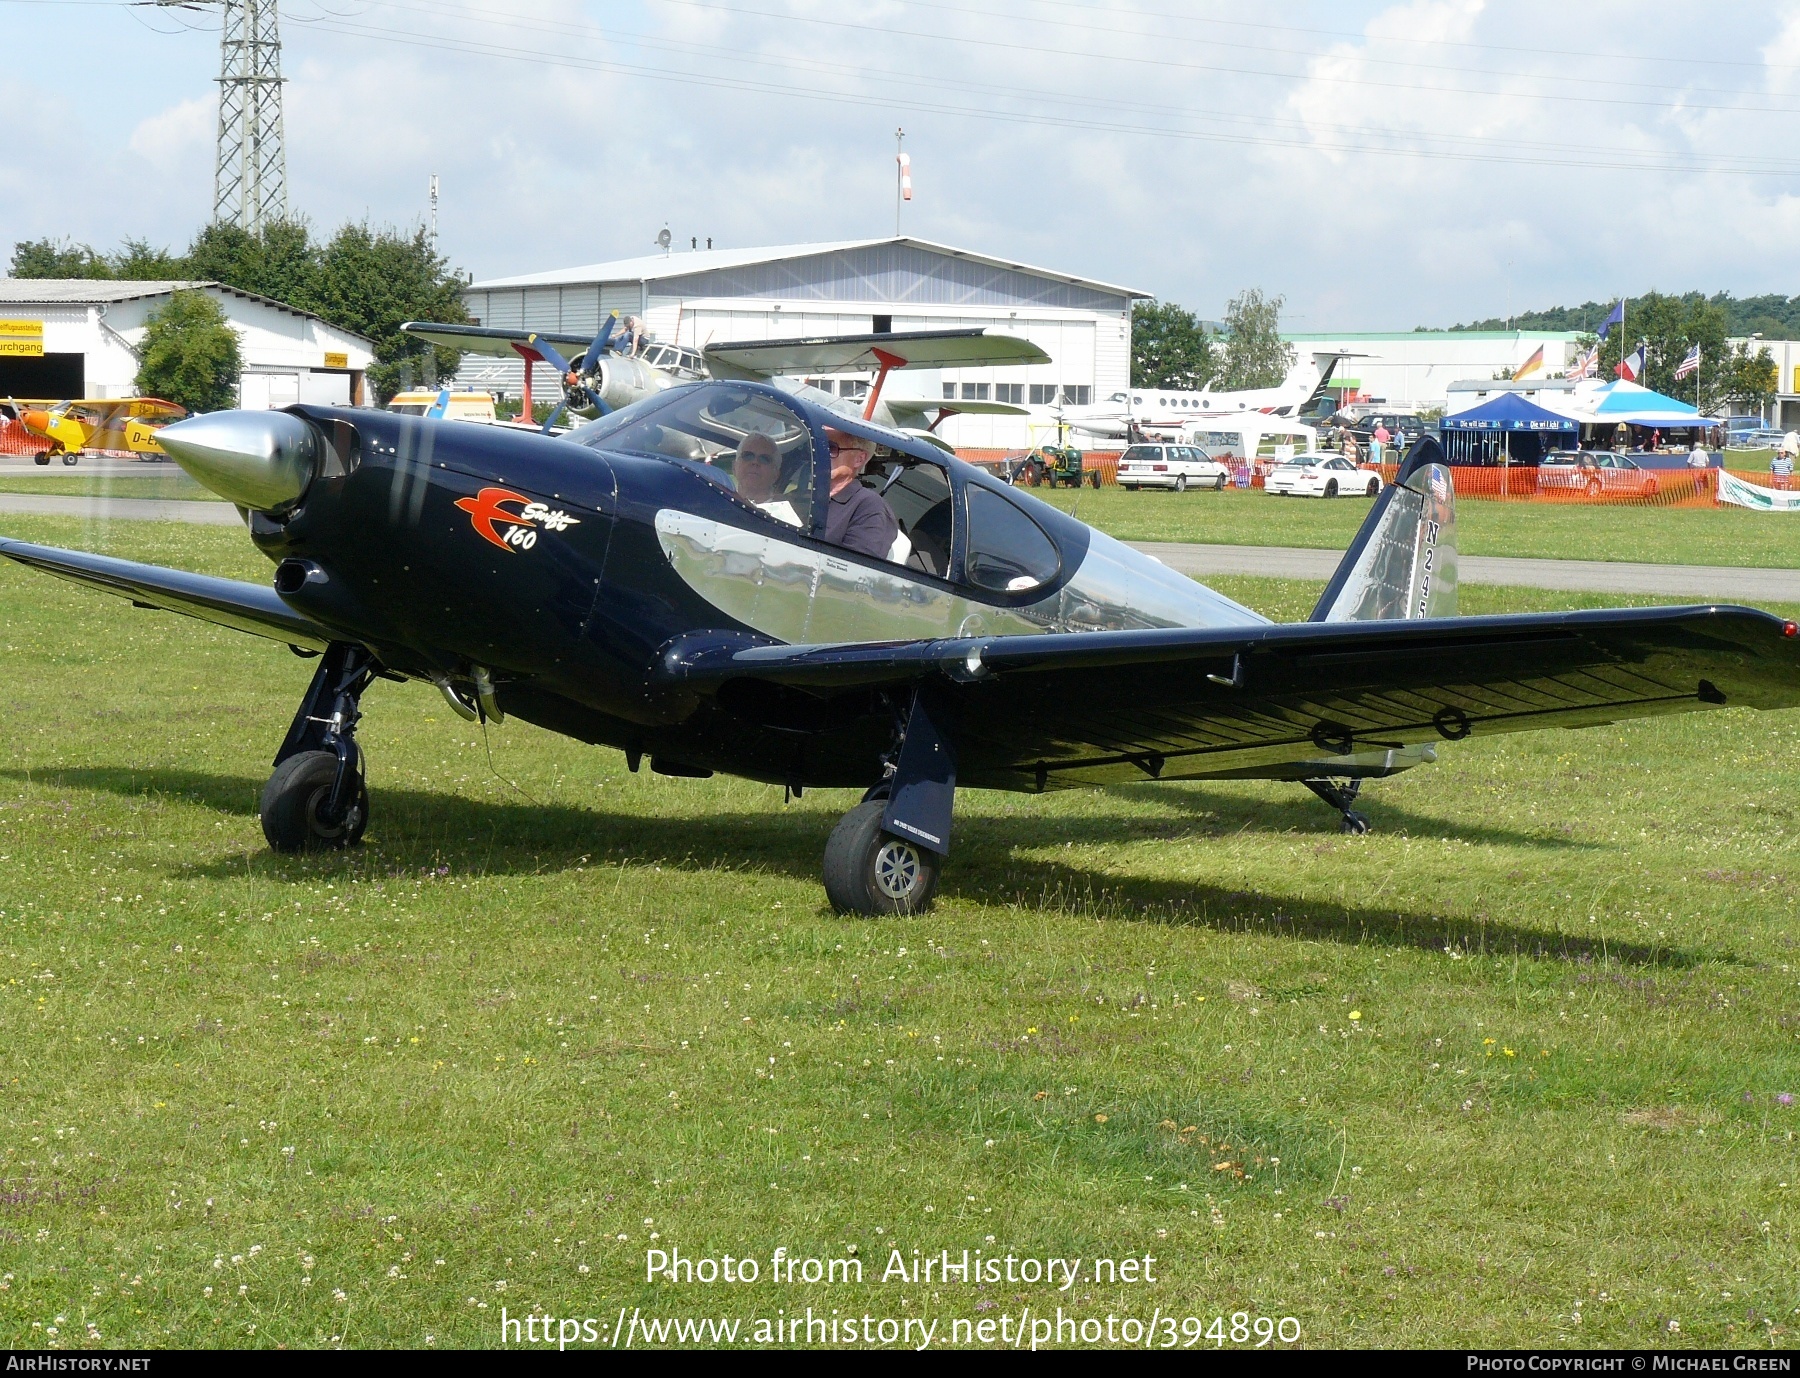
857, 518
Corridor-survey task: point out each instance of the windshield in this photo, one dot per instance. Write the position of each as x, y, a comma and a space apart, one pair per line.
708, 428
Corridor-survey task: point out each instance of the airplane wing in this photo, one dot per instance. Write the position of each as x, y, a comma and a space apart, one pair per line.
1108, 707
492, 339
975, 347
243, 607
921, 411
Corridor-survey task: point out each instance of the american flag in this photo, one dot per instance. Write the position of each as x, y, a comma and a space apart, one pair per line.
1690, 363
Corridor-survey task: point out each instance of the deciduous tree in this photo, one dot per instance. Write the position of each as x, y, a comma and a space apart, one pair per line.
1255, 354
1170, 348
190, 354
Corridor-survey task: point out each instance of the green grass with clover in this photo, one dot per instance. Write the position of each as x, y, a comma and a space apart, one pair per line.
1517, 1052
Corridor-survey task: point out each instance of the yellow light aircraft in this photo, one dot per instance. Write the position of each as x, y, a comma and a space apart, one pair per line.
125, 425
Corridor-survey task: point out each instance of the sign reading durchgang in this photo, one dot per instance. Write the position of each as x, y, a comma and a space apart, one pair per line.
21, 339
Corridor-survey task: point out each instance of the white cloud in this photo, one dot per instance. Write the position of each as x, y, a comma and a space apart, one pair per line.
1191, 151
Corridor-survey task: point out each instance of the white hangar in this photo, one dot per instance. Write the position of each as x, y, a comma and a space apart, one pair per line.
87, 333
850, 287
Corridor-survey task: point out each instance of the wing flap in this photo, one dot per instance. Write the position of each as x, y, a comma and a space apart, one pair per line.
1096, 707
489, 339
224, 602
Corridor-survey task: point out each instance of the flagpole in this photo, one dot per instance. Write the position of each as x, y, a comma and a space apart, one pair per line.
899, 176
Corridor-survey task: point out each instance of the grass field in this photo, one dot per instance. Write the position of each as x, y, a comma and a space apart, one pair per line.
170, 483
1515, 1069
1656, 535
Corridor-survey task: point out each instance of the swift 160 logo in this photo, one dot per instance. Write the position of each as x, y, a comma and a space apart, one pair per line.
485, 509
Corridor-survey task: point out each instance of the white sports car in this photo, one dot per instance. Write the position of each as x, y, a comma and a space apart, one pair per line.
1321, 476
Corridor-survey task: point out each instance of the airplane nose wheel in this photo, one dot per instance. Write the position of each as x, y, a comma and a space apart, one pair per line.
297, 810
870, 871
317, 799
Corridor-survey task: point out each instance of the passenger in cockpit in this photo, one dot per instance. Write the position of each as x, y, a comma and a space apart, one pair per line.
858, 518
755, 471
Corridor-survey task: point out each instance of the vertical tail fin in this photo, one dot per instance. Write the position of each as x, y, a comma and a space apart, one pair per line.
1402, 563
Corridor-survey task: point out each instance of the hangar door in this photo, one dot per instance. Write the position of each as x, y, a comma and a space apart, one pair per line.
46, 378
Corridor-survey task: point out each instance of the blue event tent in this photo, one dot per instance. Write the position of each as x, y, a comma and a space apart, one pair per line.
1505, 429
1639, 406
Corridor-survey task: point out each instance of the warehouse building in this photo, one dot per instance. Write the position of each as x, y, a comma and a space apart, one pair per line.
851, 287
74, 337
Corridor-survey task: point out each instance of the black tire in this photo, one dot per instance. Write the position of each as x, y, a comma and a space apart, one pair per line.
869, 871
41, 457
1181, 483
1094, 479
1356, 824
1374, 486
1219, 484
1331, 488
293, 797
70, 458
1593, 488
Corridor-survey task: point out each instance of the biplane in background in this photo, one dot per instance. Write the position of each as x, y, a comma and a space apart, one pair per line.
96, 425
614, 370
731, 577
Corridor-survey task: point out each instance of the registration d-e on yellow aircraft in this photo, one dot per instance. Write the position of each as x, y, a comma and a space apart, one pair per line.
122, 424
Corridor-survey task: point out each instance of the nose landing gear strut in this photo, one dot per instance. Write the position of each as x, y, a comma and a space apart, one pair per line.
317, 797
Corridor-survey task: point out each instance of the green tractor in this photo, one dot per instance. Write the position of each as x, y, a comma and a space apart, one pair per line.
1057, 464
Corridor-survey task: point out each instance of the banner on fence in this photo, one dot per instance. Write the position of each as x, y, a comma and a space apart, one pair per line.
1734, 490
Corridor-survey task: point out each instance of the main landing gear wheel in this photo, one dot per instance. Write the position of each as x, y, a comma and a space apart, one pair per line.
41, 457
870, 871
296, 805
71, 458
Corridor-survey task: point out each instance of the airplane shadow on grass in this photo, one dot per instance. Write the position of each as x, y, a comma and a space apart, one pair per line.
417, 830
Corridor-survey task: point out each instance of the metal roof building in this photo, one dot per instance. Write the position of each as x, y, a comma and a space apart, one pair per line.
1418, 367
845, 287
81, 338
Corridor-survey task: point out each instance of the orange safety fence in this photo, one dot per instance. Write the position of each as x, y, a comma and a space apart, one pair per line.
16, 440
1624, 487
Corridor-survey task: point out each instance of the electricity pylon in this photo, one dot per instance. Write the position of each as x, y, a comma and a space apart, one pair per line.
250, 161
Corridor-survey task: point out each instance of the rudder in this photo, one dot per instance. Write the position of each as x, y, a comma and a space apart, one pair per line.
1402, 564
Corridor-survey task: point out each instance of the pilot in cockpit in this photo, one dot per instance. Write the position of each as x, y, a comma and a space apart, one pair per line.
858, 518
755, 470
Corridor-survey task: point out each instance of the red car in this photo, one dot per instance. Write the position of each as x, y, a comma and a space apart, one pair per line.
1597, 473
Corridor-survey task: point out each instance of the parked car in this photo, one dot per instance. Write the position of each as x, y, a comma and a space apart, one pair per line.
1762, 438
1403, 428
1596, 473
1180, 467
1321, 476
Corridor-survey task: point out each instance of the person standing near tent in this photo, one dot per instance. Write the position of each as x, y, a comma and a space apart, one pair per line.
1700, 462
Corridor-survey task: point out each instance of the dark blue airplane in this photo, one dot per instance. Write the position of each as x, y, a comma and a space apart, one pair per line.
661, 581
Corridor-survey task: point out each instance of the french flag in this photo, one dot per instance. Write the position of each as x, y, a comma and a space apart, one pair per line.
1631, 367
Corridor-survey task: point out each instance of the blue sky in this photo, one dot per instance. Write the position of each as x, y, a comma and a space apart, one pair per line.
1381, 166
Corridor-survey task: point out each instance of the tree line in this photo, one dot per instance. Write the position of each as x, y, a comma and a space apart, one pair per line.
1771, 315
361, 279
1171, 347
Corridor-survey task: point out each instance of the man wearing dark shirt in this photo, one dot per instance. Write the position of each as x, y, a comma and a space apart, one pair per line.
857, 518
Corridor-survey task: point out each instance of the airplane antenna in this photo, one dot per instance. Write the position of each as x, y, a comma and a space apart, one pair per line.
250, 160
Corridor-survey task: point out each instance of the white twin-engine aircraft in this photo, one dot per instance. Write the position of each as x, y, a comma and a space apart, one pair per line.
1145, 412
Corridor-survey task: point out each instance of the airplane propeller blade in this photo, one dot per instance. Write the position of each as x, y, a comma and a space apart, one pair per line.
555, 413
549, 355
601, 341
